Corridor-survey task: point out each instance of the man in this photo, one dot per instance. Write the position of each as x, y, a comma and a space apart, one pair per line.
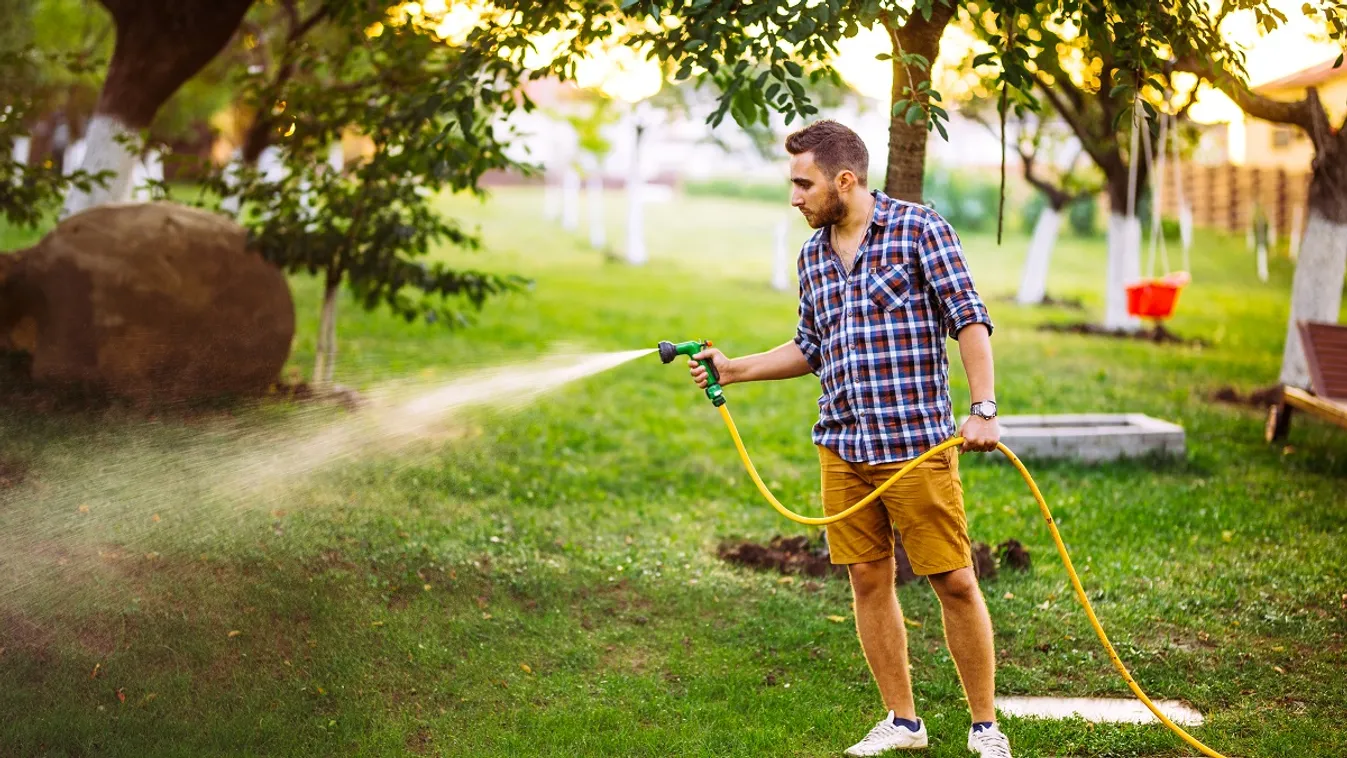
882, 285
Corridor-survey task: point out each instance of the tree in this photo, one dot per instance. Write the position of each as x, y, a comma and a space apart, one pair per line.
1040, 139
426, 109
1316, 289
160, 44
30, 190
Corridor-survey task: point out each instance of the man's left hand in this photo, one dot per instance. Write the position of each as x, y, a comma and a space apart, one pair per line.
980, 435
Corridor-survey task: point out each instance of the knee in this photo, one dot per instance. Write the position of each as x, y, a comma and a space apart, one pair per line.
959, 586
871, 579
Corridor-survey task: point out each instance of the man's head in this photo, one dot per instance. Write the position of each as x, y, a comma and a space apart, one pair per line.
827, 166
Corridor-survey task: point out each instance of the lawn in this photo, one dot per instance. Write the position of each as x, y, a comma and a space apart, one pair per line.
543, 580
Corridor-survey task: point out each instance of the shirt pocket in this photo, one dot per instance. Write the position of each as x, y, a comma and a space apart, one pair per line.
889, 287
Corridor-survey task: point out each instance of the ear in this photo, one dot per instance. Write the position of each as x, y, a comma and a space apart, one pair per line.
845, 181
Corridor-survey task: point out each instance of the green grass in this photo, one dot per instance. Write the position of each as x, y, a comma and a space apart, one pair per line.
384, 604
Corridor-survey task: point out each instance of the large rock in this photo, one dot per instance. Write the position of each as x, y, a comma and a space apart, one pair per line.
154, 302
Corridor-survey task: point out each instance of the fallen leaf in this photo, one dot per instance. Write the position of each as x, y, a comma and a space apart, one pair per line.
629, 539
234, 633
149, 697
786, 580
915, 624
1227, 535
376, 623
155, 518
97, 668
1279, 669
1009, 596
84, 509
121, 695
322, 691
837, 619
526, 668
1278, 648
486, 616
481, 602
426, 587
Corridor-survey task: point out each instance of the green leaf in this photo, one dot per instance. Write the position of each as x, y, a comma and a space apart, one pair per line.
884, 57
1337, 63
1118, 89
983, 59
794, 68
899, 107
796, 88
941, 128
914, 114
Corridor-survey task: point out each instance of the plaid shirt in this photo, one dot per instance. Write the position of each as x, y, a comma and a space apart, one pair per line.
876, 337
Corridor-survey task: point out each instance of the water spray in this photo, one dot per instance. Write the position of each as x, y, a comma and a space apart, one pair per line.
668, 351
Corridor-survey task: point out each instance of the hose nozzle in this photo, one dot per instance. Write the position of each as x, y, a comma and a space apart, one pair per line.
668, 351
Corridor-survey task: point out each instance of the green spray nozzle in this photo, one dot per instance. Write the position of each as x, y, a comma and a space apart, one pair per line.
668, 351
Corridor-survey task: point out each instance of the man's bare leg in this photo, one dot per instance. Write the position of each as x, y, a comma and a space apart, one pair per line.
968, 632
879, 622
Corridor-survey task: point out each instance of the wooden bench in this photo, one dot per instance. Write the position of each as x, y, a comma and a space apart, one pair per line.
1325, 347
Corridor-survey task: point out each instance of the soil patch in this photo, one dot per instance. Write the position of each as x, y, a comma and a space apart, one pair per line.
1259, 398
798, 555
1158, 334
1048, 301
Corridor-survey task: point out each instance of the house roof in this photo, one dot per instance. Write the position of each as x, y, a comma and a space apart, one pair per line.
1306, 77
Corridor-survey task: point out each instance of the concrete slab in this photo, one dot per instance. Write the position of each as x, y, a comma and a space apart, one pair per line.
1091, 437
1099, 710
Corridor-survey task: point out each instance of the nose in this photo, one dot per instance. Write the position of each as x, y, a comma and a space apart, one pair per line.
796, 198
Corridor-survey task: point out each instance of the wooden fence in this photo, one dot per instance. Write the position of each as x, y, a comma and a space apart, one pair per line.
1224, 196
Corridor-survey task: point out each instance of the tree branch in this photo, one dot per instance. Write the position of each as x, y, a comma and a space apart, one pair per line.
1075, 120
1307, 114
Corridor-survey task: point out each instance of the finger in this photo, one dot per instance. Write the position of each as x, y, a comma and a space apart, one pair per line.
701, 383
703, 355
692, 363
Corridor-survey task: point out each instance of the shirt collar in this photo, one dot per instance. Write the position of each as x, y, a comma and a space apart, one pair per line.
883, 212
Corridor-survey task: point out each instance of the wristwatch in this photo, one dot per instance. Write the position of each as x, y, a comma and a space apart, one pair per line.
985, 409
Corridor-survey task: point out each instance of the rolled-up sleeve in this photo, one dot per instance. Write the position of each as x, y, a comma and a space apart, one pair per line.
806, 337
946, 273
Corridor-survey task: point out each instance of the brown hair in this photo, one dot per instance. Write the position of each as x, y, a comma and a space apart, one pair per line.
836, 148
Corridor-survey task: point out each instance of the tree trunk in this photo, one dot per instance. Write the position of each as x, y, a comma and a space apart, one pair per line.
907, 142
1316, 291
1124, 251
325, 352
160, 44
1034, 282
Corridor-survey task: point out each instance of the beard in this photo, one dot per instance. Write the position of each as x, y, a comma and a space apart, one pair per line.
832, 212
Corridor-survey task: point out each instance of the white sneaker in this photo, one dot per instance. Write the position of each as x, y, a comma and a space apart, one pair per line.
989, 743
887, 736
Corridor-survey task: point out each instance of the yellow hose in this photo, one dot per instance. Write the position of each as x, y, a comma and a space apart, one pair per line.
1047, 516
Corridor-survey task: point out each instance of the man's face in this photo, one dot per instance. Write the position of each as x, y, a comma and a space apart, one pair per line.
814, 194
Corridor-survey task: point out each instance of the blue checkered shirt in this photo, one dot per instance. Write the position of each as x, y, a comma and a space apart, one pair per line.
876, 337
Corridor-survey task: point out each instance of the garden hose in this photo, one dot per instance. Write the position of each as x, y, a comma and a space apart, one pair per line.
1047, 516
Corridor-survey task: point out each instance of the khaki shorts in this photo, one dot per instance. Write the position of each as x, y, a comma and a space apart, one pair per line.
925, 507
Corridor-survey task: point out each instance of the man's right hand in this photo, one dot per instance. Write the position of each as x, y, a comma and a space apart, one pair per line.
718, 360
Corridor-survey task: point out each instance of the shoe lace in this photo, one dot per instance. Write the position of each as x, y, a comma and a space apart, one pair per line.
881, 730
994, 744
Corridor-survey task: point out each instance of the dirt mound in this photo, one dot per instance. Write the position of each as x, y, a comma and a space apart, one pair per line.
1158, 335
798, 555
1258, 398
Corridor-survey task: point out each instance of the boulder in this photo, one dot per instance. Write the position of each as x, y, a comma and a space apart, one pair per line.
153, 302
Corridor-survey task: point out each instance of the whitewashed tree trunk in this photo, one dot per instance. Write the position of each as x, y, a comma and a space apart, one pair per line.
780, 256
109, 146
1316, 290
1034, 281
150, 168
570, 200
636, 252
1260, 256
594, 199
19, 151
1124, 267
72, 157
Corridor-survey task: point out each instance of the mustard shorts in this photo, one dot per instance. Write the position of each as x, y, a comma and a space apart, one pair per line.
925, 508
